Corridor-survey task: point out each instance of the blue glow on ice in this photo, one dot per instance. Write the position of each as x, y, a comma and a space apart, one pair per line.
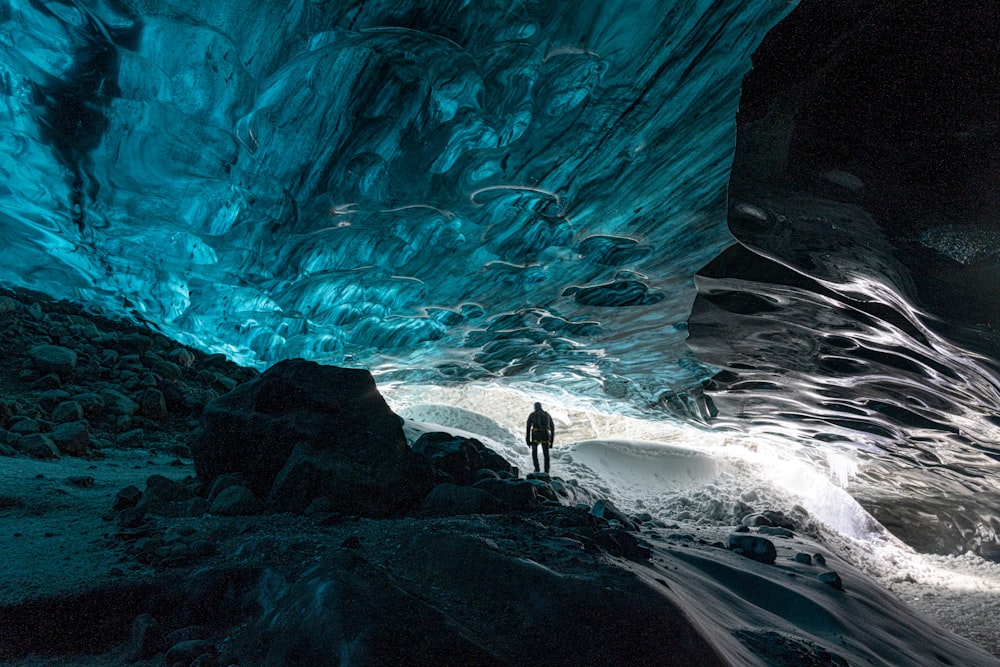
459, 190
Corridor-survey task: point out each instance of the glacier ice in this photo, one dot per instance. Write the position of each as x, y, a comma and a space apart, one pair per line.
855, 315
445, 190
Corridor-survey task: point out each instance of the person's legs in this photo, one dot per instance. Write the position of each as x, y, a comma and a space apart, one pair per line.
534, 455
545, 453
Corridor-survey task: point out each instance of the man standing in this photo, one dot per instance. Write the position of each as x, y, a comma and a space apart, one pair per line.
541, 431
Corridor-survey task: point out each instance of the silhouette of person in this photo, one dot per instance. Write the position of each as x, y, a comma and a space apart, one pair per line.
541, 431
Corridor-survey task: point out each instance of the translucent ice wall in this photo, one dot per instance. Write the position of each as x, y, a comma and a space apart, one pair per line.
438, 190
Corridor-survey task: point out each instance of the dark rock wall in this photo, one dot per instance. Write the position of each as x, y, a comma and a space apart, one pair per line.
905, 96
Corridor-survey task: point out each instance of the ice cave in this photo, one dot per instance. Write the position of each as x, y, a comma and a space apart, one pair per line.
713, 221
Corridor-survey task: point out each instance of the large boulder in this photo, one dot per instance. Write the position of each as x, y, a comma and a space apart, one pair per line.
301, 431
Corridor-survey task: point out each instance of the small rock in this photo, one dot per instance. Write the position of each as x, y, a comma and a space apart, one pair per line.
235, 501
167, 369
60, 361
181, 450
320, 505
513, 494
217, 359
779, 519
118, 404
224, 481
82, 481
49, 399
606, 510
109, 358
803, 558
753, 547
152, 404
72, 438
134, 343
831, 578
92, 403
130, 517
203, 547
9, 305
9, 407
328, 518
187, 633
196, 506
152, 502
38, 446
67, 411
132, 438
227, 383
451, 499
623, 543
205, 660
127, 497
756, 520
167, 489
24, 426
182, 357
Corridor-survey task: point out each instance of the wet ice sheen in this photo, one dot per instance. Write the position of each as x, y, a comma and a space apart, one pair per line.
381, 185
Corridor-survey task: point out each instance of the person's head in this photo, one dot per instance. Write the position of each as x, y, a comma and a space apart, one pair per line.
538, 407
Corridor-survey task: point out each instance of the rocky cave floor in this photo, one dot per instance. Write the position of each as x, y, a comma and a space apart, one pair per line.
77, 584
89, 580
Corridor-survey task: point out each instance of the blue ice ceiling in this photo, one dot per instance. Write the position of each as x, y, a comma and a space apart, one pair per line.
439, 190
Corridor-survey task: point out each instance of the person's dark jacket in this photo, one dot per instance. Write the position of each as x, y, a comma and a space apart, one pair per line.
541, 428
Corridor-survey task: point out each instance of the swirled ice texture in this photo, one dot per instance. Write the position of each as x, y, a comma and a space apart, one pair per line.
858, 313
443, 189
522, 191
